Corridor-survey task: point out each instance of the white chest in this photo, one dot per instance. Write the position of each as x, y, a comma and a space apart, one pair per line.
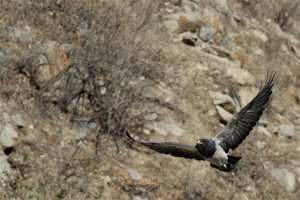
219, 157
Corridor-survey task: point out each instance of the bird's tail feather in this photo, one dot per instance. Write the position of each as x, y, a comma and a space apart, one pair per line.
233, 159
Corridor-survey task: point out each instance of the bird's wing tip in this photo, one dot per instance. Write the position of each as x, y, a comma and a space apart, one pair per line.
129, 136
271, 76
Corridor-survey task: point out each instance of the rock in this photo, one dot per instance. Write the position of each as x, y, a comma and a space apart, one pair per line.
212, 112
103, 90
188, 38
240, 75
259, 35
263, 130
135, 175
222, 6
83, 126
19, 122
223, 100
171, 25
294, 162
239, 196
151, 116
166, 127
7, 135
107, 191
206, 33
220, 51
261, 144
23, 34
287, 130
48, 61
278, 105
146, 131
285, 178
246, 94
298, 173
6, 117
81, 133
189, 6
139, 198
160, 93
2, 56
220, 98
224, 114
5, 168
297, 121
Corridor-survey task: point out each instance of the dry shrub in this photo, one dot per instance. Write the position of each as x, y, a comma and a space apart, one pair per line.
280, 11
287, 11
115, 51
114, 54
108, 62
111, 57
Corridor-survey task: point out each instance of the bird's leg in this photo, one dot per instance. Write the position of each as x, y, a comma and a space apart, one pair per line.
226, 167
223, 164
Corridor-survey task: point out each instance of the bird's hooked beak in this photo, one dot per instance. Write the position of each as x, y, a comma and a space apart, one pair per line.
199, 141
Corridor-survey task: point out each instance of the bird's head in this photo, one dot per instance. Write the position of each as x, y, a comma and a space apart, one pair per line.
205, 144
202, 142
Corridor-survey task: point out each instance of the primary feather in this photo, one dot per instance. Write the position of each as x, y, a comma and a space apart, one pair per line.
174, 149
239, 127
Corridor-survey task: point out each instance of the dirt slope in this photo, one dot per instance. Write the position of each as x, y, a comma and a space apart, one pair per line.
75, 75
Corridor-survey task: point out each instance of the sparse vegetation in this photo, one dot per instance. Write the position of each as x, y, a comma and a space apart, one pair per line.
111, 59
75, 74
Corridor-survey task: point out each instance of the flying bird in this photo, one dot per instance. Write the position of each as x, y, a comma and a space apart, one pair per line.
215, 150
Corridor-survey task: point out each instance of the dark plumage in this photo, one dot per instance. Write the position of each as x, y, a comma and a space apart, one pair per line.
239, 127
174, 149
215, 150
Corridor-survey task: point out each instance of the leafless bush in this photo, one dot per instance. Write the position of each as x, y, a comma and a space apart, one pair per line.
111, 54
109, 61
280, 11
287, 10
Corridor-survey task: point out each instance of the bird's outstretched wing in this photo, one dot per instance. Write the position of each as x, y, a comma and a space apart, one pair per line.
239, 127
174, 149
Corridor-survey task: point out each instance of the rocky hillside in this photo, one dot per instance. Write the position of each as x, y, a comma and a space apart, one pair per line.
74, 76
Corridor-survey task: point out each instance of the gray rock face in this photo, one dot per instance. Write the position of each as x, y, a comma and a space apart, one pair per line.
298, 173
47, 63
19, 122
241, 76
224, 114
166, 127
4, 168
287, 130
224, 103
24, 34
220, 98
171, 25
206, 33
7, 135
263, 130
160, 93
246, 94
135, 175
151, 116
285, 178
297, 121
